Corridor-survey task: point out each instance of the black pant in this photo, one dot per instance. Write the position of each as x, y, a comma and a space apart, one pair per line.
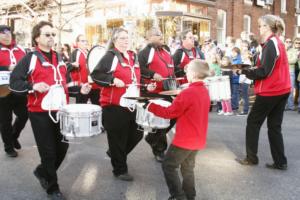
158, 139
122, 135
93, 95
50, 146
8, 105
271, 108
184, 158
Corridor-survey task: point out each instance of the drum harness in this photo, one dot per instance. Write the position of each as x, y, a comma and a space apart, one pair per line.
56, 91
169, 83
13, 60
132, 88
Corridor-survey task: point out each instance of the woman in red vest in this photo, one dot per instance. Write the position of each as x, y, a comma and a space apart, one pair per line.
272, 88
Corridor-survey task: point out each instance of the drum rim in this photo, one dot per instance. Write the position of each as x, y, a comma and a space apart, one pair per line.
88, 56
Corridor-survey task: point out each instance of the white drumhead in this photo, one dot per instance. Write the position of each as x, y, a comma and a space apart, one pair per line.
94, 56
81, 108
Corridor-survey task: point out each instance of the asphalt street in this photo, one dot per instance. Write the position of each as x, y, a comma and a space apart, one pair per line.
86, 172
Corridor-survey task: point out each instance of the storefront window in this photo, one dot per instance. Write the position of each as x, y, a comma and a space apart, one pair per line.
221, 26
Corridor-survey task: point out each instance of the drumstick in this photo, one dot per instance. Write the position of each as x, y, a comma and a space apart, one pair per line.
177, 79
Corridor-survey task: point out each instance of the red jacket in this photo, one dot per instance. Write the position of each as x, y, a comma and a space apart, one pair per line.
10, 55
190, 108
40, 73
110, 67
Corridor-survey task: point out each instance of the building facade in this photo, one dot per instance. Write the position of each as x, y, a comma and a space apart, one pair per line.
216, 19
231, 17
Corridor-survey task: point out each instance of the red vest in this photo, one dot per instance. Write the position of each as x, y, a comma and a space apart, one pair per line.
161, 62
186, 59
40, 72
111, 95
80, 75
278, 82
11, 55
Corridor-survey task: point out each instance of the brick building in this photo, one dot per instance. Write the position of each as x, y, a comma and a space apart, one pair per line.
231, 17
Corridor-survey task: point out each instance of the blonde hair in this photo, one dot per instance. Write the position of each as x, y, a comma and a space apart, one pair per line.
274, 22
200, 68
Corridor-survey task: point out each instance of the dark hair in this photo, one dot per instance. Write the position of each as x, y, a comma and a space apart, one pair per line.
78, 36
237, 50
36, 31
68, 48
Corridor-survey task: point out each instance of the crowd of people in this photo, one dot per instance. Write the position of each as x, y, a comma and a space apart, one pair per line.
271, 68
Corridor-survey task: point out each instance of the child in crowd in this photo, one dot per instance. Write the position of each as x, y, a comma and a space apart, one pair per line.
215, 70
235, 85
243, 80
190, 108
226, 71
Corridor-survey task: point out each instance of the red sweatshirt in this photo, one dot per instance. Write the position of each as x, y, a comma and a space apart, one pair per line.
190, 108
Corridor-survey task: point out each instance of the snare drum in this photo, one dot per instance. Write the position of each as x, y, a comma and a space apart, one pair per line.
4, 82
80, 120
148, 120
218, 87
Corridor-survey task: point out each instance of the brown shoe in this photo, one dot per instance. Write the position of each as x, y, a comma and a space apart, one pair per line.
246, 161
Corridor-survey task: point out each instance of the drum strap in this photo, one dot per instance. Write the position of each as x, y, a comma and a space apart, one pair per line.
13, 60
56, 89
168, 65
121, 60
190, 54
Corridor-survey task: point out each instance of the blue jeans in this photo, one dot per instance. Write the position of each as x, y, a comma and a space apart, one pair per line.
290, 102
235, 96
245, 96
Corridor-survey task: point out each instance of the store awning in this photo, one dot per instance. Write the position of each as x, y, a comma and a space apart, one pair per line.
180, 13
206, 2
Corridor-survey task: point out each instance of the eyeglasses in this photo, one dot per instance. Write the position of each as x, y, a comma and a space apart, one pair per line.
288, 41
48, 34
297, 42
83, 41
123, 38
5, 31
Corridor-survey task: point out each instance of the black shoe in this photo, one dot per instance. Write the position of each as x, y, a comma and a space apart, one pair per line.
17, 145
160, 157
44, 183
57, 195
124, 177
275, 166
174, 198
108, 153
11, 153
246, 161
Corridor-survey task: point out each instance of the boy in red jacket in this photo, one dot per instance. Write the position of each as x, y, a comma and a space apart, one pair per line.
190, 108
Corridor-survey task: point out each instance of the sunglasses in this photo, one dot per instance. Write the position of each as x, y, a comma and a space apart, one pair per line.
49, 34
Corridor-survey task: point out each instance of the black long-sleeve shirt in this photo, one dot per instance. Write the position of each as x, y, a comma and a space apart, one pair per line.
267, 63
